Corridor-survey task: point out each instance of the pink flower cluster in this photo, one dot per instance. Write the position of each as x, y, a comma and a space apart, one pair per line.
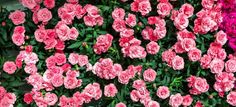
105, 68
177, 100
6, 99
209, 18
91, 91
18, 36
140, 93
103, 43
173, 60
198, 85
142, 6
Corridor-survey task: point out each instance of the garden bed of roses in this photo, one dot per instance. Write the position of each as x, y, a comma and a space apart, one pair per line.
119, 53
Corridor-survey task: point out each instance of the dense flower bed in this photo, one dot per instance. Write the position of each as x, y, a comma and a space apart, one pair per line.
120, 53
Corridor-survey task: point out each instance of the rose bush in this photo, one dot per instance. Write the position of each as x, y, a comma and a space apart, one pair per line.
119, 53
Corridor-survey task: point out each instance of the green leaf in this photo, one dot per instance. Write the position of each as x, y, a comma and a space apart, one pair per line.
74, 45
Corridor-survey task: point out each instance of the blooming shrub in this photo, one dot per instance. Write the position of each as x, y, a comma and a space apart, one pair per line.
120, 53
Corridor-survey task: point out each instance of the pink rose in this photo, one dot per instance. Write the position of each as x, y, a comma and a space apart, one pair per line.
178, 47
60, 58
176, 100
120, 105
28, 98
73, 58
181, 21
231, 98
44, 15
188, 44
134, 96
230, 65
221, 37
205, 61
79, 11
40, 34
110, 90
18, 39
152, 47
134, 52
127, 33
70, 82
123, 77
118, 25
194, 54
28, 3
105, 69
167, 56
49, 3
187, 9
178, 63
31, 69
103, 43
144, 7
163, 92
9, 67
57, 80
118, 13
89, 21
131, 20
149, 75
208, 4
73, 33
17, 17
164, 9
153, 104
83, 60
217, 65
137, 84
187, 100
51, 98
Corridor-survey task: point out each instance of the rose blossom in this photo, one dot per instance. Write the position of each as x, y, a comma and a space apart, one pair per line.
28, 98
51, 98
217, 65
9, 67
221, 37
49, 3
187, 100
207, 3
152, 47
118, 25
83, 60
205, 61
104, 69
149, 75
164, 9
131, 20
44, 15
152, 104
187, 9
17, 17
120, 105
118, 13
194, 54
181, 21
144, 7
167, 56
163, 92
231, 98
103, 43
230, 65
177, 63
73, 58
110, 90
28, 3
176, 100
18, 39
188, 44
70, 82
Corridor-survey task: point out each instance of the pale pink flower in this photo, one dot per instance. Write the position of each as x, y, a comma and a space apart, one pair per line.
110, 90
176, 100
152, 47
149, 75
17, 17
163, 92
44, 15
9, 67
